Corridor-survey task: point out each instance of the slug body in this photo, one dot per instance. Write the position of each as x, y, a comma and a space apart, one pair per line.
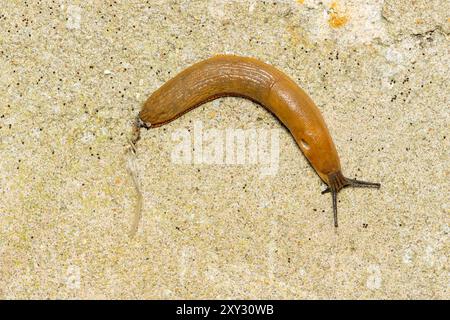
227, 75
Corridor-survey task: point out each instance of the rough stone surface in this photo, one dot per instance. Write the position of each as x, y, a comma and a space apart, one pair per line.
74, 75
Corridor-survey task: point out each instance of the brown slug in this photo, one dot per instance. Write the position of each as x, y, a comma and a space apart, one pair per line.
229, 75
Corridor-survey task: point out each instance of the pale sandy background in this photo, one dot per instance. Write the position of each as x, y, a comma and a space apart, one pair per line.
75, 73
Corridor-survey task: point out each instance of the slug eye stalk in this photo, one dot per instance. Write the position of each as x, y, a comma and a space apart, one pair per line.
337, 182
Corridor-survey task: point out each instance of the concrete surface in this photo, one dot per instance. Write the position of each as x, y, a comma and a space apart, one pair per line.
73, 76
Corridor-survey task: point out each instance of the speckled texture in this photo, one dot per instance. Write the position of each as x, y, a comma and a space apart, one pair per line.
74, 74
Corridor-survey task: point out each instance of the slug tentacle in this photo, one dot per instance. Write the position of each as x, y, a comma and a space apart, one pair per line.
337, 182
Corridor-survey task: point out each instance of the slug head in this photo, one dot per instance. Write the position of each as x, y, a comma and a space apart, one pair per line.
319, 149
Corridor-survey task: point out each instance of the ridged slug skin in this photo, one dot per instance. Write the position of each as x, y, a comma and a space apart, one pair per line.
228, 75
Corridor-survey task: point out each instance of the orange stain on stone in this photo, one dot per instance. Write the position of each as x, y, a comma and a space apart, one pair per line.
336, 19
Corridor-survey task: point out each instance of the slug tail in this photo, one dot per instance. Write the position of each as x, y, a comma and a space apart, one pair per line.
337, 182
